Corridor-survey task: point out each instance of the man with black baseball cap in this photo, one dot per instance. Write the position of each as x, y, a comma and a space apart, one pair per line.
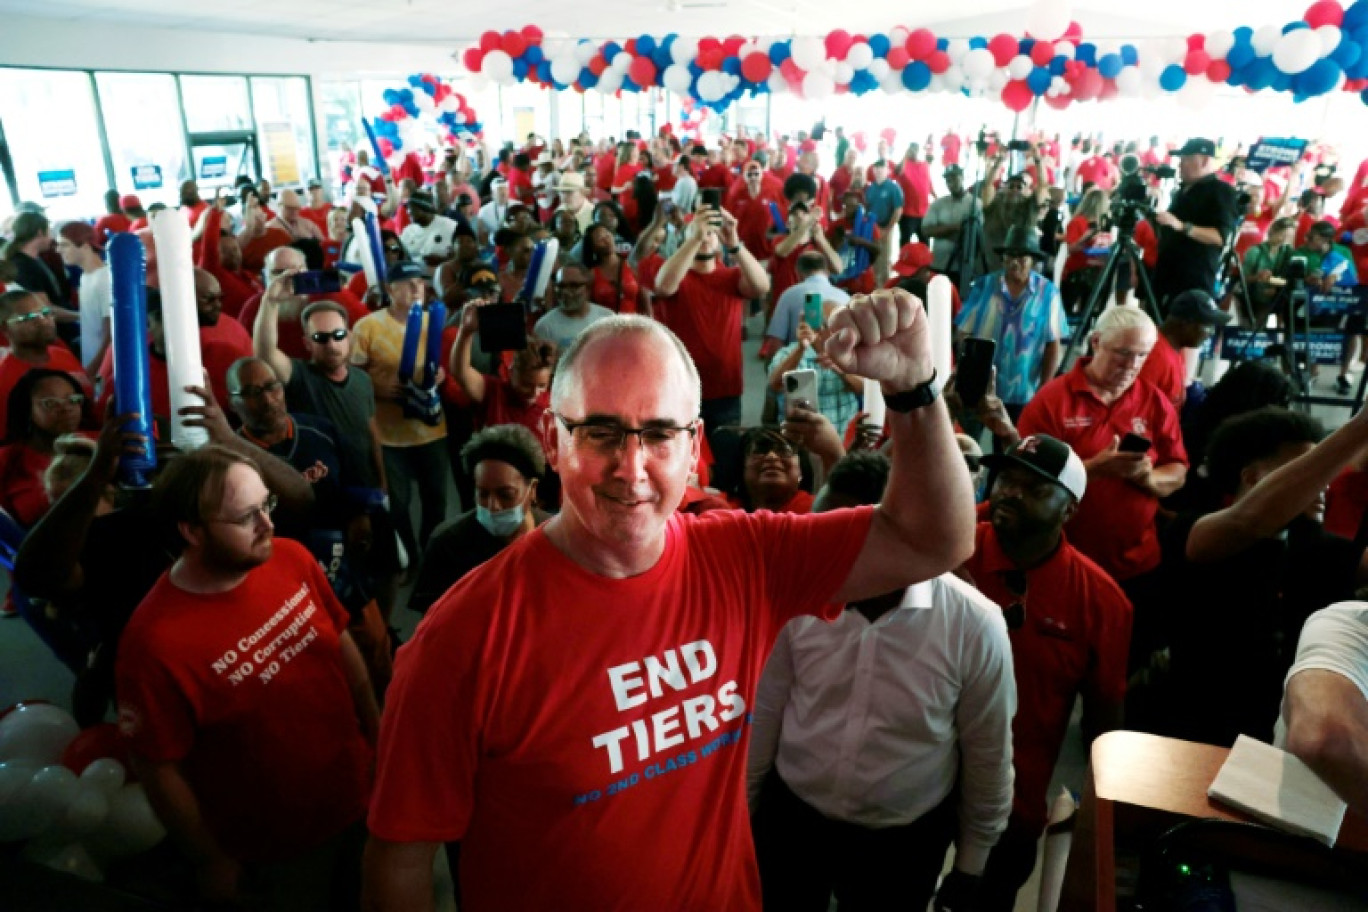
945, 217
1202, 215
1069, 624
429, 236
1192, 317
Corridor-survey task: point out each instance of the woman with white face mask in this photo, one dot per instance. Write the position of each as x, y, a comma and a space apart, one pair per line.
506, 462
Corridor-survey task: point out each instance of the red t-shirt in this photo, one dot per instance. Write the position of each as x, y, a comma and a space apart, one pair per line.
1076, 230
237, 287
585, 737
716, 177
60, 358
753, 219
1167, 371
114, 223
706, 315
914, 177
1075, 639
604, 291
318, 216
229, 333
950, 149
1114, 524
800, 502
840, 182
22, 495
1346, 500
1148, 242
291, 333
784, 270
1098, 172
604, 166
215, 355
1304, 222
502, 405
245, 689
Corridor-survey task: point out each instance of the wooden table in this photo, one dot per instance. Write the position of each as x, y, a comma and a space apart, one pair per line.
1138, 785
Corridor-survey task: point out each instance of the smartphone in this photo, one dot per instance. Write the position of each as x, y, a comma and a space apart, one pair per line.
800, 386
712, 198
874, 403
667, 205
317, 281
812, 311
974, 369
1134, 443
503, 327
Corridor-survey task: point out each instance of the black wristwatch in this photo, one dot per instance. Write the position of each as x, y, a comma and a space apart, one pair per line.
917, 397
732, 251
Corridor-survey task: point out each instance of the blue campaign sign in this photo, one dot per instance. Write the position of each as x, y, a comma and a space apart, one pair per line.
212, 166
1339, 301
57, 183
1238, 344
1272, 150
147, 177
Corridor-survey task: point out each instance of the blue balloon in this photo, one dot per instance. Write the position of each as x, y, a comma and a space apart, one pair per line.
1294, 25
1173, 78
396, 143
521, 69
645, 45
1321, 77
1244, 33
1129, 55
942, 44
1039, 81
534, 55
880, 45
416, 81
779, 52
587, 78
732, 66
1259, 73
1363, 96
1024, 46
662, 57
978, 42
391, 97
429, 88
1240, 54
863, 82
669, 41
412, 109
1110, 65
610, 50
694, 69
1347, 54
916, 76
405, 95
629, 85
1355, 16
1087, 53
1059, 65
1282, 82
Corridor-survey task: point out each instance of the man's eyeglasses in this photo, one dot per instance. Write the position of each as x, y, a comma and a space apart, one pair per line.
248, 519
52, 403
1015, 613
608, 438
397, 251
41, 314
321, 338
252, 392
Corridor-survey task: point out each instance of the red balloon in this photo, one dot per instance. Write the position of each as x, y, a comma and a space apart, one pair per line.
710, 59
1087, 85
598, 65
1324, 12
397, 113
838, 44
1017, 95
1197, 62
1218, 71
532, 35
102, 740
1058, 102
1109, 90
1074, 32
629, 45
386, 147
709, 44
1042, 52
1003, 47
428, 77
440, 93
1196, 41
732, 46
387, 116
473, 59
938, 61
921, 44
513, 43
898, 58
756, 67
490, 41
791, 70
642, 71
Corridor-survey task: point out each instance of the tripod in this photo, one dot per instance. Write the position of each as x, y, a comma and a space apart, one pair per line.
1238, 286
1125, 247
969, 259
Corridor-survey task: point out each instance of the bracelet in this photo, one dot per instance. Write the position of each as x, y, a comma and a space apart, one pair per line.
732, 251
1187, 229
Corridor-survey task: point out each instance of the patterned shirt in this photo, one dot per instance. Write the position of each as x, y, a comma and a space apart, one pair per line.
1021, 327
834, 398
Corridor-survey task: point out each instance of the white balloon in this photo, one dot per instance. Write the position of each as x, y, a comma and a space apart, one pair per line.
610, 81
997, 79
85, 812
1330, 38
64, 855
566, 71
38, 731
777, 83
879, 68
684, 50
844, 73
710, 86
978, 63
956, 48
1297, 51
678, 79
1265, 39
106, 773
860, 56
808, 52
898, 37
498, 66
892, 82
130, 827
1064, 49
621, 61
449, 104
1020, 66
1219, 43
423, 102
1128, 81
953, 79
817, 86
1196, 94
1175, 50
1048, 18
584, 52
39, 804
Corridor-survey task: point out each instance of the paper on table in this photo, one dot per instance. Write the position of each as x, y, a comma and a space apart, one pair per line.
1278, 789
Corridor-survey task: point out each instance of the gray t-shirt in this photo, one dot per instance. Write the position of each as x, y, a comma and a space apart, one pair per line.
349, 405
557, 327
946, 210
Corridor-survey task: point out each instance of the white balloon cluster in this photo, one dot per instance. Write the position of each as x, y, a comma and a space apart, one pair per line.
75, 822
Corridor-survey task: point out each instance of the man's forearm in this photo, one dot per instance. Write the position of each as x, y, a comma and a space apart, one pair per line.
469, 379
929, 495
284, 480
1165, 480
178, 809
397, 876
833, 259
47, 565
378, 454
755, 282
1049, 363
674, 269
790, 362
791, 242
266, 339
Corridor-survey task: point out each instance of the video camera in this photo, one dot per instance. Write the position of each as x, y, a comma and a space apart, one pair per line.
1131, 201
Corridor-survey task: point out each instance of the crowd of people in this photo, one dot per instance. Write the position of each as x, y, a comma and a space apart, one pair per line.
668, 660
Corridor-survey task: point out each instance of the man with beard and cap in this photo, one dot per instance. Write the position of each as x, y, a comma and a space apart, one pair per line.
429, 236
1069, 625
880, 738
237, 679
1016, 205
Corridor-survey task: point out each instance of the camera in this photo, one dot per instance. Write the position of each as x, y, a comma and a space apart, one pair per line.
1295, 270
981, 144
1019, 145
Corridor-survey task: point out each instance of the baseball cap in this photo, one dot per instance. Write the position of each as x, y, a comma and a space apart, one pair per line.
79, 234
1196, 305
1196, 146
129, 201
1045, 456
912, 259
403, 271
952, 170
421, 199
482, 277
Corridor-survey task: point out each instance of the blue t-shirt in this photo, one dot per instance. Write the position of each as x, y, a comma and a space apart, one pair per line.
885, 201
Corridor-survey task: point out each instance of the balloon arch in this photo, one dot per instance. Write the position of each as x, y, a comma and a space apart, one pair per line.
425, 97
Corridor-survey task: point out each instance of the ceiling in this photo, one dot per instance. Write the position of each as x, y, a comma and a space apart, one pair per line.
456, 23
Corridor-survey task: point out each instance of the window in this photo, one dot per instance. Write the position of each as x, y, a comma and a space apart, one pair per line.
215, 103
54, 143
146, 137
284, 129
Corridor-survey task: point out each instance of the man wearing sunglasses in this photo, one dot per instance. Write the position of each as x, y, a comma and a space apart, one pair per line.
1070, 628
574, 711
27, 320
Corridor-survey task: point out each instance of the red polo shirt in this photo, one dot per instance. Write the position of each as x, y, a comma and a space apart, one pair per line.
1074, 639
784, 270
706, 315
914, 177
753, 218
1166, 369
1114, 524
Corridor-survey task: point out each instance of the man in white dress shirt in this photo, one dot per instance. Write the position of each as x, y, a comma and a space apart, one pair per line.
880, 738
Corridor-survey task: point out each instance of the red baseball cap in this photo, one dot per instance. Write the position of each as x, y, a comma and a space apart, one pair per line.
913, 258
129, 201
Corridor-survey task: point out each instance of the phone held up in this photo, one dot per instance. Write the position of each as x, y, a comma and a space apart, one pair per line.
974, 370
800, 388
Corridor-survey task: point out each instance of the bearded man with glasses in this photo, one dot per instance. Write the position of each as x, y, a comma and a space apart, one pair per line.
574, 711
